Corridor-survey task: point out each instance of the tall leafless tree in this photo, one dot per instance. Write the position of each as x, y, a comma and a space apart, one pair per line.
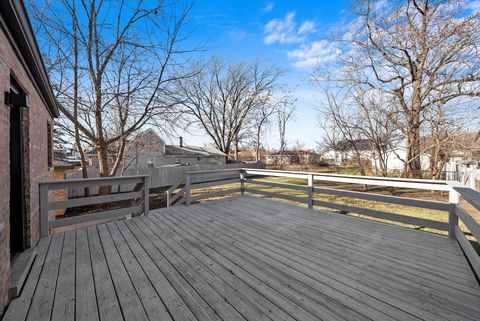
420, 53
348, 122
285, 113
112, 65
223, 98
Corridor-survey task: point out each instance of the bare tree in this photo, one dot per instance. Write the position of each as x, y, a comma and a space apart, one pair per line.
420, 53
268, 107
378, 125
344, 117
223, 98
443, 135
113, 69
285, 113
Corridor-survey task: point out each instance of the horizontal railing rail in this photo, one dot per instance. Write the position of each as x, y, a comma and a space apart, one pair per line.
137, 200
180, 193
252, 177
460, 213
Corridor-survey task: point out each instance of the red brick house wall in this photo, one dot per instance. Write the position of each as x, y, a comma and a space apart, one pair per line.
35, 118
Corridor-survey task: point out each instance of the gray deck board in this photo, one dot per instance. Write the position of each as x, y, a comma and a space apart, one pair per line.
86, 305
173, 302
108, 305
131, 305
19, 307
329, 243
64, 302
189, 295
43, 302
344, 299
147, 294
247, 258
377, 279
231, 295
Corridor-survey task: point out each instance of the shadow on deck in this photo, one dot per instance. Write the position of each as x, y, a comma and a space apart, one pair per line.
247, 258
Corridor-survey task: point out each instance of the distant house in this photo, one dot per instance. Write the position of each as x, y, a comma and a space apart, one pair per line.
291, 157
395, 159
148, 149
249, 156
28, 107
344, 152
91, 156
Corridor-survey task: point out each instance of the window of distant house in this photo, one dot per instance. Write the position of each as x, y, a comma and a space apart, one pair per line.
49, 145
199, 158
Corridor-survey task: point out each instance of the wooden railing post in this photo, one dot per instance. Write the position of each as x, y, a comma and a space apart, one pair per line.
242, 181
43, 210
310, 190
187, 189
452, 216
146, 196
168, 198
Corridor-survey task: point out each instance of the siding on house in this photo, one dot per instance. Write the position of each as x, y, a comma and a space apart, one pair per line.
148, 149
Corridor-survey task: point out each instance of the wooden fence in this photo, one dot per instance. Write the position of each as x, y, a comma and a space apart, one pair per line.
158, 176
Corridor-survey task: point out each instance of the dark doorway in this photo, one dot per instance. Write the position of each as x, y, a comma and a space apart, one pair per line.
17, 190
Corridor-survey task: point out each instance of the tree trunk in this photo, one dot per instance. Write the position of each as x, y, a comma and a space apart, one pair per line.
414, 166
103, 167
78, 141
235, 156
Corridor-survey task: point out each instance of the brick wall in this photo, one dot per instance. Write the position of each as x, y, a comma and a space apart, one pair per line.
58, 194
34, 120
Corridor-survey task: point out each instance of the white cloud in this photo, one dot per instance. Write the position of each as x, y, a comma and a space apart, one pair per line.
285, 30
317, 52
306, 27
268, 7
474, 6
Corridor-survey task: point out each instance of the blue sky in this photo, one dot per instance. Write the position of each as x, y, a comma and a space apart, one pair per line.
288, 33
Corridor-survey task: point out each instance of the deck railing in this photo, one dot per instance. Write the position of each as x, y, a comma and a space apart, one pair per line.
181, 193
135, 202
460, 213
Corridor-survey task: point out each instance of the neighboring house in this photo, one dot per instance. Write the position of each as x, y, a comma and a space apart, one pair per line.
395, 159
91, 157
148, 149
290, 157
27, 111
249, 156
344, 152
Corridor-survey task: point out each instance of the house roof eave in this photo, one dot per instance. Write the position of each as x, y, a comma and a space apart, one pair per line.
16, 24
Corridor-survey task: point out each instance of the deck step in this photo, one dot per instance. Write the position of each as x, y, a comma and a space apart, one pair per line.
20, 267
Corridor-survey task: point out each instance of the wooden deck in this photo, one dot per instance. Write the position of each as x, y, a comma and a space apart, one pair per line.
246, 258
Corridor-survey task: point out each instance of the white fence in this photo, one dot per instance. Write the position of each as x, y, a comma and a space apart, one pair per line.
158, 176
469, 176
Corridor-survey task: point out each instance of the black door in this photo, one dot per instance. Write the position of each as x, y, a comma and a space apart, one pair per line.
17, 192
